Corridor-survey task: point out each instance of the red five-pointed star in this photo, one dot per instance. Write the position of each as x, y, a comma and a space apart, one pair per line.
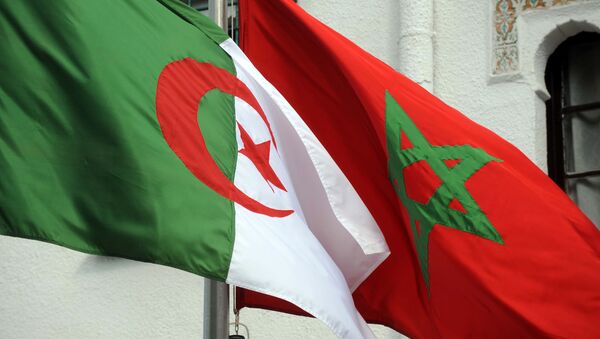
259, 155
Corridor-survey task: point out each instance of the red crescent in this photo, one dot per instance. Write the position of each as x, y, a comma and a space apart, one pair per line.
181, 86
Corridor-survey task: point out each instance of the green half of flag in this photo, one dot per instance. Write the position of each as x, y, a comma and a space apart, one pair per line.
83, 162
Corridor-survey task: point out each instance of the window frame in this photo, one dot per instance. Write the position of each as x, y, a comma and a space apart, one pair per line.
557, 109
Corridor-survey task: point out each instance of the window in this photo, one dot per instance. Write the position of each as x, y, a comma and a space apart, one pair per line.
573, 120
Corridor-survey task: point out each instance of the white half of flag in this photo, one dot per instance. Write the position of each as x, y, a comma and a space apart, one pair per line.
318, 254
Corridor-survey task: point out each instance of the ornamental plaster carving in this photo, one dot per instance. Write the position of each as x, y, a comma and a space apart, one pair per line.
505, 52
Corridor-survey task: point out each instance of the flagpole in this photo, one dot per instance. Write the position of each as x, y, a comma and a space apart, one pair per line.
216, 293
217, 10
216, 309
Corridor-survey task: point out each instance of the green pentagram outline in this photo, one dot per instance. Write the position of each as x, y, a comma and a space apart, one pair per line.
436, 210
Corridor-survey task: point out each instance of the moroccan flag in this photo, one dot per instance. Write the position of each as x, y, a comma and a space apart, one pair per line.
138, 129
483, 244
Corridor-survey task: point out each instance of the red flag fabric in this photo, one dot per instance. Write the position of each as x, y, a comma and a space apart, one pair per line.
483, 244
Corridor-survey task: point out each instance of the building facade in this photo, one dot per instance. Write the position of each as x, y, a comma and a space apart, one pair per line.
494, 60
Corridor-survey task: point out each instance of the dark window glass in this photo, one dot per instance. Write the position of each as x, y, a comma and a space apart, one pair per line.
201, 5
573, 120
583, 75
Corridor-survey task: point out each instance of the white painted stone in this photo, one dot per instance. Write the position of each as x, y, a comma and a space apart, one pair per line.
541, 32
415, 46
51, 292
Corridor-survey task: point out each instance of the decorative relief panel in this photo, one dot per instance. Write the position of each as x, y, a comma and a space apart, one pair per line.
505, 54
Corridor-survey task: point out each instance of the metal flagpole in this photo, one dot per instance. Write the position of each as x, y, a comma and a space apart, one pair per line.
216, 309
216, 294
217, 10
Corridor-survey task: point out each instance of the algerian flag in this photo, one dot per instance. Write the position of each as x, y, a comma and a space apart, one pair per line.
137, 129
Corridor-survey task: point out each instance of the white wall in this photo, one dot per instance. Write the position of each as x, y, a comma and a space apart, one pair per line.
48, 292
